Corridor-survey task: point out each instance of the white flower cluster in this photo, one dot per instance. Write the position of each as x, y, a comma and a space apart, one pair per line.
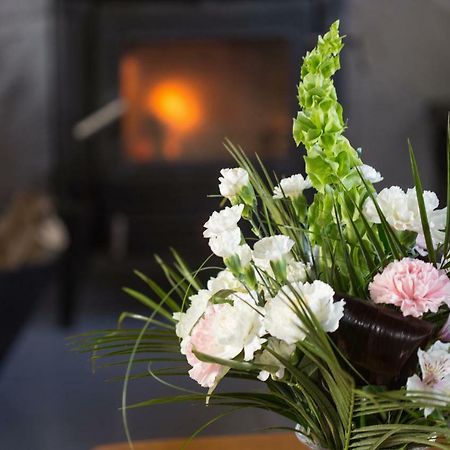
260, 308
239, 326
250, 310
401, 210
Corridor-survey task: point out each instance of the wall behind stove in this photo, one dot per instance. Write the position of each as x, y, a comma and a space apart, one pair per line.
397, 65
24, 94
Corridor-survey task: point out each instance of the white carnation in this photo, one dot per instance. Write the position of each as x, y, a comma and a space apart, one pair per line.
226, 244
224, 280
279, 347
370, 174
223, 221
281, 320
272, 248
291, 187
402, 211
392, 202
245, 254
297, 271
187, 320
229, 329
250, 326
232, 181
436, 217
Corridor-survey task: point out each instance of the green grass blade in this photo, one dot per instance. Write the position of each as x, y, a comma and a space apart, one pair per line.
185, 270
149, 303
161, 293
421, 203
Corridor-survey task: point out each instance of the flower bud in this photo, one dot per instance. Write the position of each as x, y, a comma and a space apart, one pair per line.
279, 270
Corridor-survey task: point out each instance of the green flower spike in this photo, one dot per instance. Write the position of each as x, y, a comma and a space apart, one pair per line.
319, 125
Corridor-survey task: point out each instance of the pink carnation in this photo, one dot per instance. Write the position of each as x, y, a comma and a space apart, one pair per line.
205, 374
416, 287
202, 339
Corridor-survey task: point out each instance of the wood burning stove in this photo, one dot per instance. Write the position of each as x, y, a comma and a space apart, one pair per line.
188, 74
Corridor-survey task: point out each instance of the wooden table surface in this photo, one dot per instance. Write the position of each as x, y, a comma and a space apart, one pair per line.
273, 441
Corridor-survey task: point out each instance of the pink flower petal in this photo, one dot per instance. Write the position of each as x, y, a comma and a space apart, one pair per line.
444, 334
415, 286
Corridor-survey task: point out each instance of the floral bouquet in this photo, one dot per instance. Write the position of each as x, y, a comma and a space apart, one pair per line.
338, 301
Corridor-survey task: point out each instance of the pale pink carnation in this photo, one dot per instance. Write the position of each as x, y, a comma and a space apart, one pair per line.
202, 339
415, 286
205, 374
225, 331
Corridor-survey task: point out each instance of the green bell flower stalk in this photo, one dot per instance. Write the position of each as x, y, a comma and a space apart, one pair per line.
333, 166
319, 125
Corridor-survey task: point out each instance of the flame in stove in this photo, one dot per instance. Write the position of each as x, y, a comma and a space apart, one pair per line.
130, 76
176, 104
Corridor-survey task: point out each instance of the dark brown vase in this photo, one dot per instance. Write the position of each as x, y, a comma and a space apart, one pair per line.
379, 342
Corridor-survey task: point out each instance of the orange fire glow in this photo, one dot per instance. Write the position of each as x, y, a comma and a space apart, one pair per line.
175, 103
183, 97
129, 72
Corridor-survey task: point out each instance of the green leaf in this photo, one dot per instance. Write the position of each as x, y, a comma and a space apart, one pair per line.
185, 270
221, 296
234, 364
149, 303
422, 209
163, 295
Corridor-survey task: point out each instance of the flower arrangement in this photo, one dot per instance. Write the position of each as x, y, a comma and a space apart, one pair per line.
337, 302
